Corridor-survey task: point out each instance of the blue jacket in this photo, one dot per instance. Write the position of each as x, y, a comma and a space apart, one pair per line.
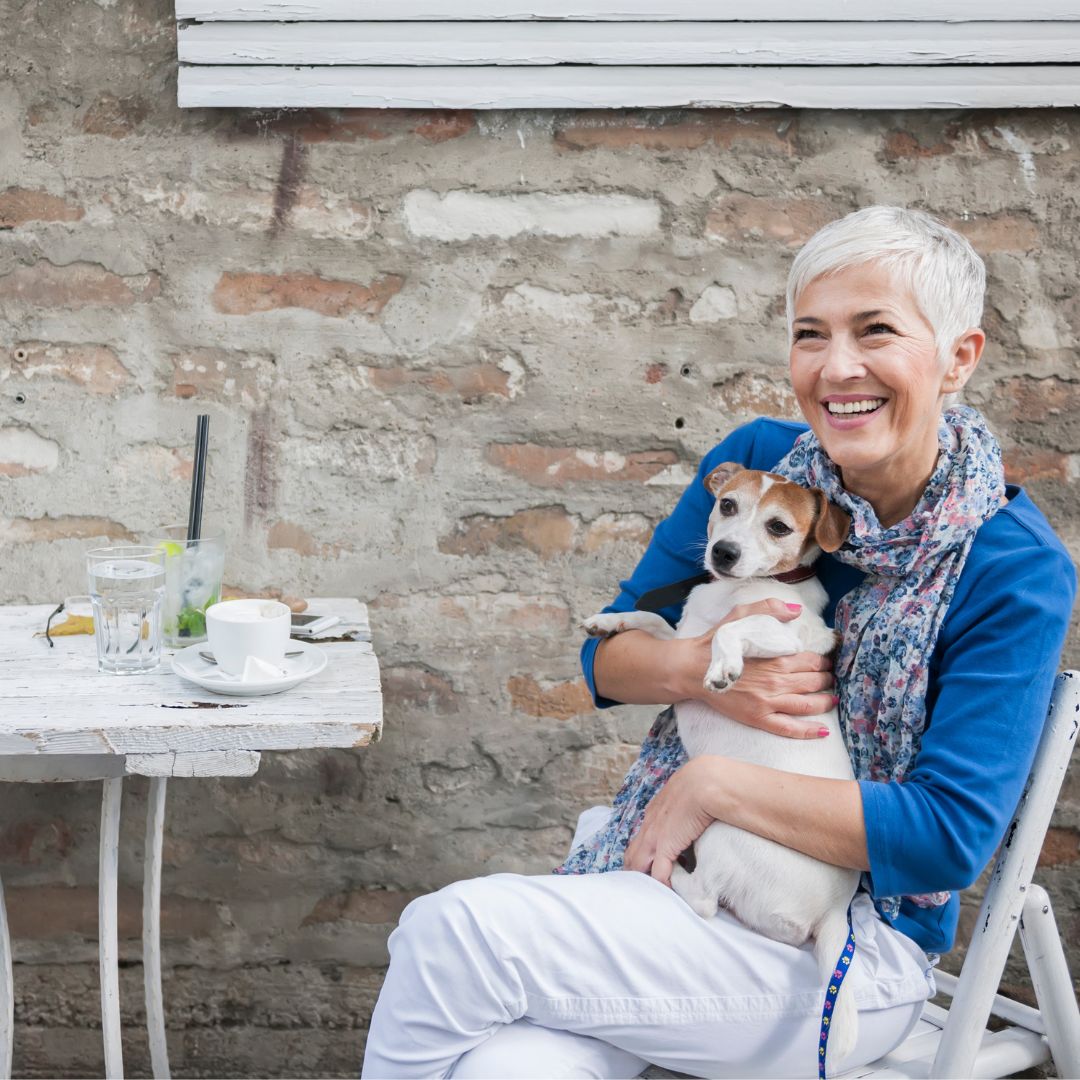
990, 680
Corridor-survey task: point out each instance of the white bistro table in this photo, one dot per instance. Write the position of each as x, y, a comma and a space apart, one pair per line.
60, 719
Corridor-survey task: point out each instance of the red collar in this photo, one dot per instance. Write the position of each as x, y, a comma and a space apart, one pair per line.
793, 577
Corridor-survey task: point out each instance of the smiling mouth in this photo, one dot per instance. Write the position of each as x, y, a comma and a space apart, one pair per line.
853, 408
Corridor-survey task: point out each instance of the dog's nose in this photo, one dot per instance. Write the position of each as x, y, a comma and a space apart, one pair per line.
725, 555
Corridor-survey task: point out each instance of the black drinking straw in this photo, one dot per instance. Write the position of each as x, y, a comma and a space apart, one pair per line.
198, 477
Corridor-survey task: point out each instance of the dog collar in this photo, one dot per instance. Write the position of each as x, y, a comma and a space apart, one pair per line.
678, 591
793, 577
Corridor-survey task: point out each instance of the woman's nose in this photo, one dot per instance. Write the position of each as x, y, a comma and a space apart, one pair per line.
842, 361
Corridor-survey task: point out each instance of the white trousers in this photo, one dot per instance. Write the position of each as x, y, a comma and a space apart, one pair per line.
598, 975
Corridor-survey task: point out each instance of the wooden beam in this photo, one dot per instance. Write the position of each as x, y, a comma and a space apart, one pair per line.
580, 86
691, 43
623, 10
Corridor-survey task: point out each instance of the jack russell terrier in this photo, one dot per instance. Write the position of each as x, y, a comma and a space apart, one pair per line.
764, 534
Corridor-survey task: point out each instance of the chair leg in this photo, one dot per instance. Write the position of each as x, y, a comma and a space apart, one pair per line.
155, 1011
108, 948
7, 994
1050, 977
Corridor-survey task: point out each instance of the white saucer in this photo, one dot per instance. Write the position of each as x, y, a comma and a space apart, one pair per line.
188, 664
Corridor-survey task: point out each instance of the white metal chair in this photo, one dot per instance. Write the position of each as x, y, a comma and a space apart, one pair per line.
955, 1042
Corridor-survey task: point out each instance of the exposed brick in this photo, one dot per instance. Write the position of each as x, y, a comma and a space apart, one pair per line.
1039, 412
715, 127
23, 452
96, 368
374, 907
746, 394
901, 145
536, 616
737, 216
655, 372
413, 686
1024, 465
616, 528
41, 530
546, 531
470, 383
315, 211
49, 912
557, 700
444, 124
1061, 847
286, 534
556, 466
358, 125
27, 842
219, 374
20, 205
113, 116
243, 294
76, 285
465, 215
999, 232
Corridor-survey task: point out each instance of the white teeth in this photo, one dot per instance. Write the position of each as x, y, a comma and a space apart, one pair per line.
837, 408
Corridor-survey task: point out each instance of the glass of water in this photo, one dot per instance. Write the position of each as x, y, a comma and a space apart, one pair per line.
193, 572
127, 588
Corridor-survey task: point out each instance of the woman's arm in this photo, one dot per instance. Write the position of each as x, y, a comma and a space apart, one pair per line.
821, 817
638, 669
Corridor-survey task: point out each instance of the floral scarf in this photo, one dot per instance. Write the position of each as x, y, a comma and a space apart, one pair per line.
889, 624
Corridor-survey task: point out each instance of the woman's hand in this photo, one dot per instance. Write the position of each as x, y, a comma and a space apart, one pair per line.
770, 694
674, 819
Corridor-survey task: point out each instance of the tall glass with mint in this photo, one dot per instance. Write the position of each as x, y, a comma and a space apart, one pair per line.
193, 572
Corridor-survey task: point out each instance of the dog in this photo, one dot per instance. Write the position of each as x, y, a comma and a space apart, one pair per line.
762, 525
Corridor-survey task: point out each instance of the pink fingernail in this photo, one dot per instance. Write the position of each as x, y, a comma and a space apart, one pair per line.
793, 607
835, 700
822, 732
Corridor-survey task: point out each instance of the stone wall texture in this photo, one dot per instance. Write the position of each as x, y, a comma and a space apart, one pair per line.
457, 365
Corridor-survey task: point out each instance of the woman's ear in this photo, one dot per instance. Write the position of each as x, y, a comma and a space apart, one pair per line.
831, 527
721, 475
964, 359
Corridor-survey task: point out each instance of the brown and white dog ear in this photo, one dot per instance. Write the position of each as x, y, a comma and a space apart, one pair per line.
832, 525
721, 475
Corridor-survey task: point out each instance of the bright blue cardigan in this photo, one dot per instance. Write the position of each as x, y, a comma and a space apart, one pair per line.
990, 680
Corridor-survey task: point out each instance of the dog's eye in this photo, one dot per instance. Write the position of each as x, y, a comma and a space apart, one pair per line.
778, 528
728, 507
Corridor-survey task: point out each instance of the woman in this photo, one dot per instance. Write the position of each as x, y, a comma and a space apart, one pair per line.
953, 601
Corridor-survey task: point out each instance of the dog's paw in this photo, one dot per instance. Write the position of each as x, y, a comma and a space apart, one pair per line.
603, 625
723, 674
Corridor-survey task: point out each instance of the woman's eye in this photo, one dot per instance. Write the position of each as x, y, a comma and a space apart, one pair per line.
728, 507
800, 334
778, 528
880, 327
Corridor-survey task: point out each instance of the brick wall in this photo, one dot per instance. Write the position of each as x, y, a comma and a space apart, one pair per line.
457, 365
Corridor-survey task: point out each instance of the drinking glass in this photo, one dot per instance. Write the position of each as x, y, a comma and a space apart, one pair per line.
127, 586
193, 572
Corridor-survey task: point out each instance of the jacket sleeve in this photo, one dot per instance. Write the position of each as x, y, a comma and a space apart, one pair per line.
677, 545
939, 828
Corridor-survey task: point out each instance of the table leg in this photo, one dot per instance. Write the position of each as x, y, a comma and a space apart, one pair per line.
151, 942
7, 994
107, 931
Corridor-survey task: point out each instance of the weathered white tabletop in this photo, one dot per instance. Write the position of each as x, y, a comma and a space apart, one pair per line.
60, 719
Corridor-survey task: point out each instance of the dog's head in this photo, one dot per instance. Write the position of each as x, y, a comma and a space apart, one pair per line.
764, 524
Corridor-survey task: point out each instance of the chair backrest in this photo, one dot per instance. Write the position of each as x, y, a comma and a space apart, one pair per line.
999, 915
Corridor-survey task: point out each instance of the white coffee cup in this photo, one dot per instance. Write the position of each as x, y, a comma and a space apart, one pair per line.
241, 629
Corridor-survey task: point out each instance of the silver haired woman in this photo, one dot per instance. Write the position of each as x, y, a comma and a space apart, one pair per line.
952, 595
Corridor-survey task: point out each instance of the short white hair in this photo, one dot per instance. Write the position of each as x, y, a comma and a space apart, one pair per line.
946, 275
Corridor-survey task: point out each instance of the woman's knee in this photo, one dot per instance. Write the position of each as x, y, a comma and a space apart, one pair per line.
457, 912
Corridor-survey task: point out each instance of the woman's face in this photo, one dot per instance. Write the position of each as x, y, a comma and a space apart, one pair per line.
865, 371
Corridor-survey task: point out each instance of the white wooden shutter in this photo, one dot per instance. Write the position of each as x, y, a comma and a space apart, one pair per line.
503, 54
